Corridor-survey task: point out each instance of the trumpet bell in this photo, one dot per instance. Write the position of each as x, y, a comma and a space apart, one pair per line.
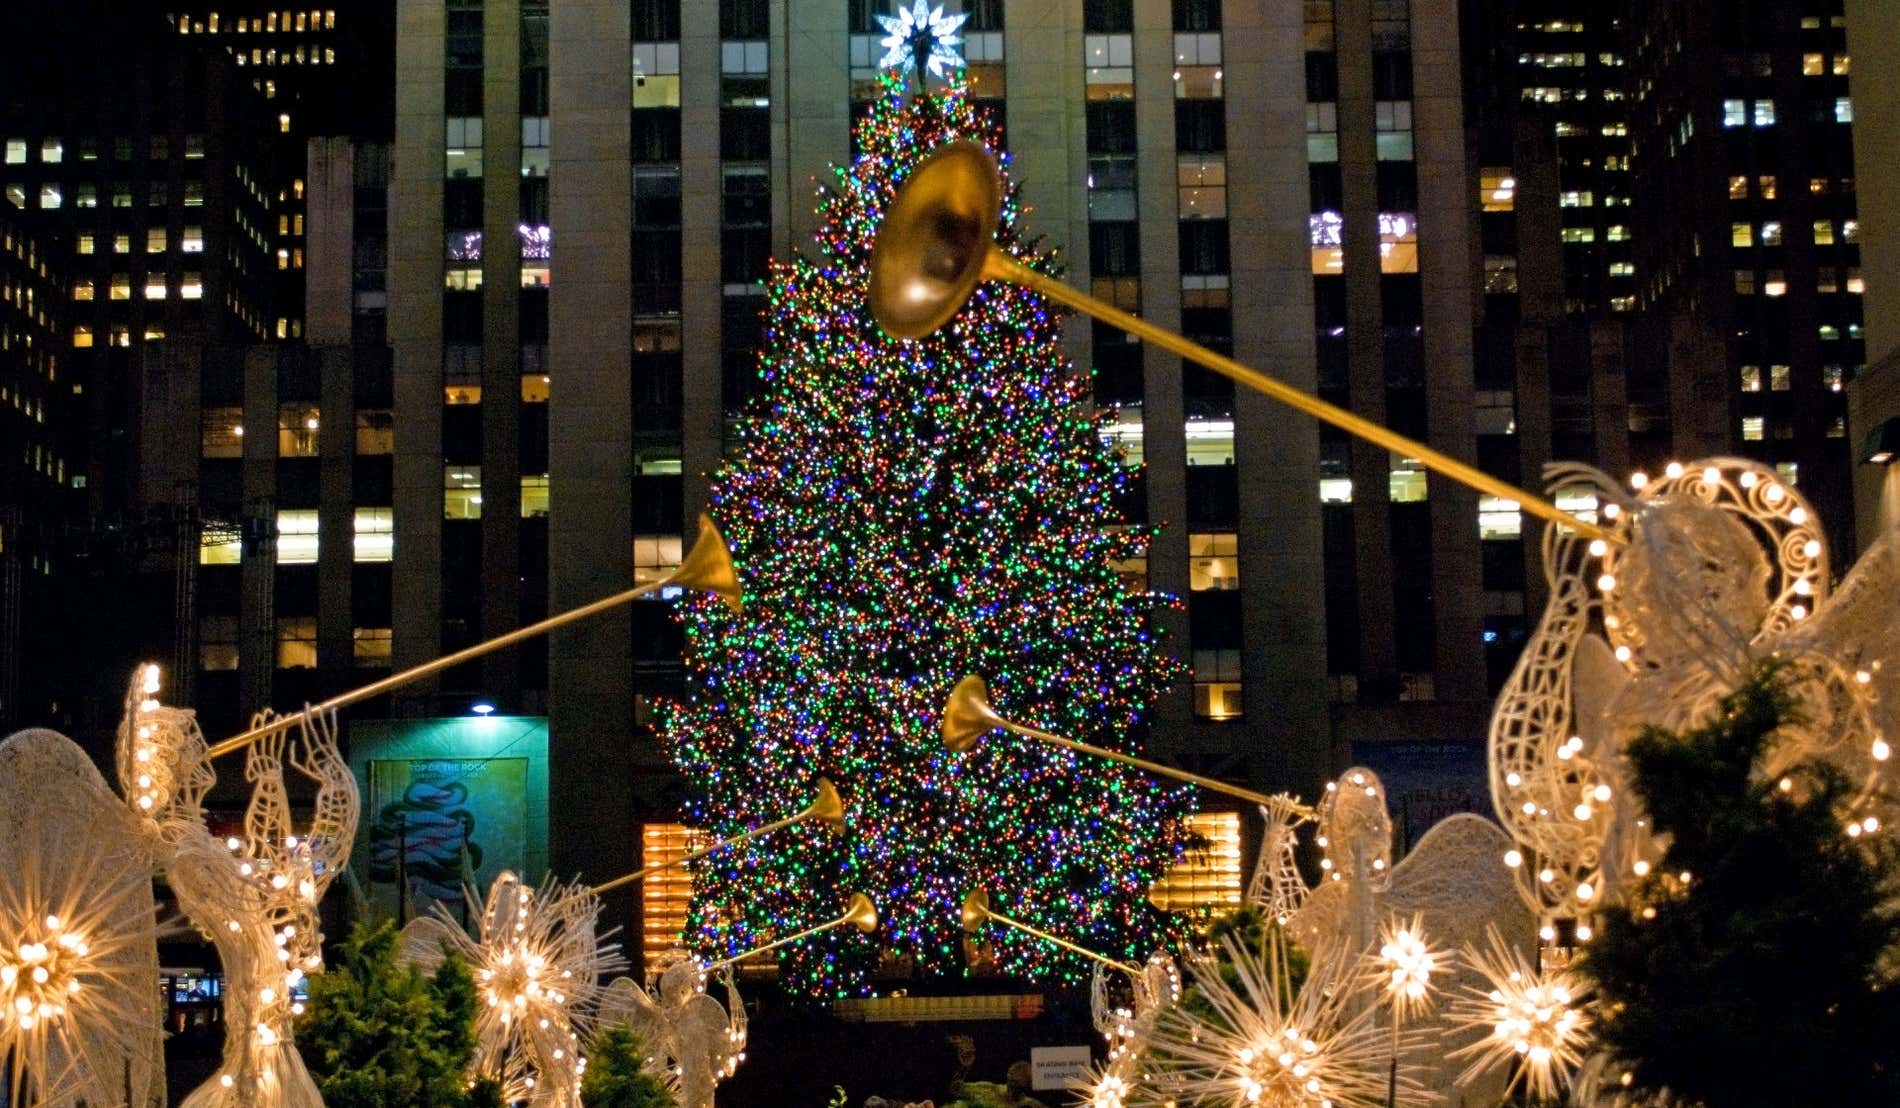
967, 715
976, 910
935, 238
708, 566
860, 913
826, 807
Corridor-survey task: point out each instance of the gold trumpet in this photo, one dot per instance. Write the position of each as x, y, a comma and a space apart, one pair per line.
825, 807
707, 568
937, 243
976, 911
859, 912
968, 716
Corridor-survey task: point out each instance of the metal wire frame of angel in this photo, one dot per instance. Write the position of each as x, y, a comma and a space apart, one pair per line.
693, 1042
1720, 566
1452, 885
1247, 1037
537, 963
80, 1020
1128, 1026
253, 895
1276, 887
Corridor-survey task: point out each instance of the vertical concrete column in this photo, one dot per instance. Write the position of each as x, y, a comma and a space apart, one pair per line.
811, 108
1048, 138
1164, 427
257, 608
1540, 297
501, 339
702, 372
329, 241
590, 536
1277, 449
336, 511
1365, 355
415, 333
1446, 186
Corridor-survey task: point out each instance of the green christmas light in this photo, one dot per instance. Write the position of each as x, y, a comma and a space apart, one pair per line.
904, 513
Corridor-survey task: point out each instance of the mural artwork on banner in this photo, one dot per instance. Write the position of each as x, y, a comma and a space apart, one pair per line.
441, 824
1426, 780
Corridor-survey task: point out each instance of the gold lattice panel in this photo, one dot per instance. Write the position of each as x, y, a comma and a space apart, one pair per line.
1207, 879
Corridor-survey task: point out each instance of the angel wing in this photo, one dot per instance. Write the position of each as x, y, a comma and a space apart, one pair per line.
427, 941
627, 1004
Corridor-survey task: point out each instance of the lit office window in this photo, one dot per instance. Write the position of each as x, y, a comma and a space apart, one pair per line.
461, 492
374, 535
296, 642
372, 647
1217, 691
1213, 562
297, 430
654, 557
534, 496
296, 536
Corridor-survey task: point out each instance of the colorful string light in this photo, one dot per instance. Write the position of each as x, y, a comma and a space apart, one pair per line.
904, 513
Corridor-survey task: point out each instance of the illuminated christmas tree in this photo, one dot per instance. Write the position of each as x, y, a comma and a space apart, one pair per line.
903, 514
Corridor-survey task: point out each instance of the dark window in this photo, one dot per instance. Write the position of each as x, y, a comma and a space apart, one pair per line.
1200, 125
1197, 15
1326, 189
1114, 249
1204, 246
534, 316
462, 92
462, 318
656, 135
1111, 127
862, 16
743, 18
462, 202
534, 200
1322, 77
1392, 75
1108, 16
985, 15
656, 20
743, 254
745, 134
1213, 496
656, 197
1398, 186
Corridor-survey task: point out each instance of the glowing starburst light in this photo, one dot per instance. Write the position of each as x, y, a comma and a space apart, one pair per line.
921, 31
1534, 1017
1406, 964
1318, 1049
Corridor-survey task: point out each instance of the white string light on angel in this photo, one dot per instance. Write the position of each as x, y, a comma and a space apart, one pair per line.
1531, 1020
537, 964
1128, 1027
1256, 1041
79, 1016
1276, 887
692, 1041
254, 895
1720, 566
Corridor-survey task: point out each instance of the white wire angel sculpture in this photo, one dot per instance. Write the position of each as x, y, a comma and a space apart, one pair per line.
79, 1013
1719, 566
693, 1042
254, 895
1453, 884
537, 963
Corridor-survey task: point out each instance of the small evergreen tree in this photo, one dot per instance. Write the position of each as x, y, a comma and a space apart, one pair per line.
615, 1077
381, 1035
1757, 980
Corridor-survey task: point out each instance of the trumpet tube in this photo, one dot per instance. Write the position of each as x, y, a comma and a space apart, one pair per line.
825, 807
999, 266
968, 715
707, 567
858, 912
977, 904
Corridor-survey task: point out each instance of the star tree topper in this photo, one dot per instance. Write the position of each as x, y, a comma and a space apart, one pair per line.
922, 38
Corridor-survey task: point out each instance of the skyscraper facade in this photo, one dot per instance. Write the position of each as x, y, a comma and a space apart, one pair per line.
579, 224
